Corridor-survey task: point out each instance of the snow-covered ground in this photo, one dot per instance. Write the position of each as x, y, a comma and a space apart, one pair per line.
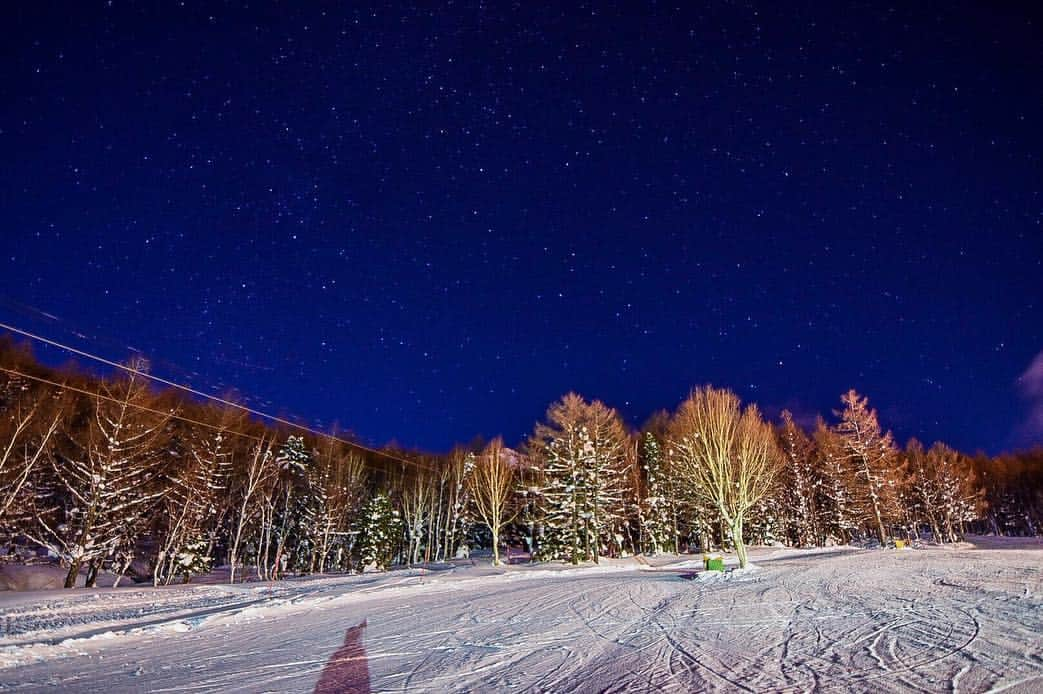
967, 618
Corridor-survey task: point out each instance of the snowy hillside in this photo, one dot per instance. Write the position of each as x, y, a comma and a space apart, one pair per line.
964, 618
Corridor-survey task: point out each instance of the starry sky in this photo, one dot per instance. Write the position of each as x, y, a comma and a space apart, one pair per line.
428, 222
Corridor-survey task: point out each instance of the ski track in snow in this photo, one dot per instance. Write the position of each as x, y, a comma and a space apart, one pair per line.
950, 619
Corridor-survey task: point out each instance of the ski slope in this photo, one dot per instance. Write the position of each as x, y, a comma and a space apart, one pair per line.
964, 619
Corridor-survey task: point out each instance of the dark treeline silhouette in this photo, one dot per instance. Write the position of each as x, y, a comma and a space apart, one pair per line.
107, 473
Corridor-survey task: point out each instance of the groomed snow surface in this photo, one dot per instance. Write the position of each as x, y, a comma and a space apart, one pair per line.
965, 619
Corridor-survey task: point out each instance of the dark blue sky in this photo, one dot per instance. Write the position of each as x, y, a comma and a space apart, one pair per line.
429, 223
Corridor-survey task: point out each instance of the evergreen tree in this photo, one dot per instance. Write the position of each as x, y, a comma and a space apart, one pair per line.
873, 462
582, 451
839, 517
799, 489
194, 504
657, 507
293, 455
293, 460
381, 528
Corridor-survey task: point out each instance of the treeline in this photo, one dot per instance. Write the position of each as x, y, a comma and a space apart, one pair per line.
112, 474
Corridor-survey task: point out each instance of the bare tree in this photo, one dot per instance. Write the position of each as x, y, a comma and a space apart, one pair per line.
259, 474
962, 491
337, 488
28, 424
492, 492
108, 477
417, 495
451, 505
727, 457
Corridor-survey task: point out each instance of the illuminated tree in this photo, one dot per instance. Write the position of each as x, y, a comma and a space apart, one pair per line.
336, 491
726, 456
800, 481
250, 493
381, 528
196, 489
583, 453
873, 460
417, 494
658, 510
107, 479
492, 487
29, 420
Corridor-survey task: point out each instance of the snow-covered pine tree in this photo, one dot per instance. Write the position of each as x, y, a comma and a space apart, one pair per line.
800, 482
657, 506
609, 480
765, 526
293, 461
872, 458
583, 453
462, 524
194, 504
839, 515
531, 484
380, 530
565, 494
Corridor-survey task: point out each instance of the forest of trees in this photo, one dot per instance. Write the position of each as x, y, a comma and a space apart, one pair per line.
112, 474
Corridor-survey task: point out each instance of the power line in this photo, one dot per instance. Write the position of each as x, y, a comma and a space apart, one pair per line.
164, 413
197, 393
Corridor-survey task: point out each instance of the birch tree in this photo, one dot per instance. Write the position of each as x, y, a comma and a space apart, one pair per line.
250, 493
492, 487
727, 456
29, 420
337, 487
417, 511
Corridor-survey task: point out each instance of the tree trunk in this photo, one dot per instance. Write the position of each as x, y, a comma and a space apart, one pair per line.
124, 567
740, 547
74, 571
161, 559
496, 546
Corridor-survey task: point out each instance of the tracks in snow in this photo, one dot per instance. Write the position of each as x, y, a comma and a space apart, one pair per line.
853, 621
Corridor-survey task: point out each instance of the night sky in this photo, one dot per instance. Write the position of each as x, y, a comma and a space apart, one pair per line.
428, 224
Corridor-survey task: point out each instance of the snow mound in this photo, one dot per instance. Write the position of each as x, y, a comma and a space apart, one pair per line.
727, 575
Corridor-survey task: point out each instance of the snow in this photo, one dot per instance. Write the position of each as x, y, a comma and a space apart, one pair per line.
964, 618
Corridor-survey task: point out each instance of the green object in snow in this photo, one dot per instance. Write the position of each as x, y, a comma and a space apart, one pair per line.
714, 564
